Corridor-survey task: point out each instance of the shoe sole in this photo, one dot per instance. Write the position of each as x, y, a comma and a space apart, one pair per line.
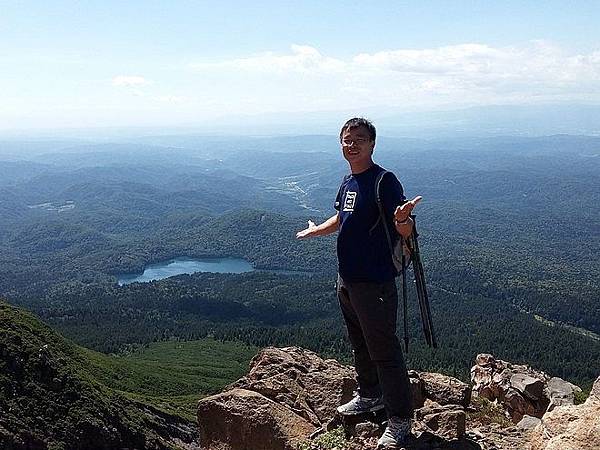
365, 411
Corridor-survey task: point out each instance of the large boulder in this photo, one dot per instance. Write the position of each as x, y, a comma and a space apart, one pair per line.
445, 390
570, 427
287, 394
242, 419
300, 380
530, 387
447, 421
522, 390
560, 392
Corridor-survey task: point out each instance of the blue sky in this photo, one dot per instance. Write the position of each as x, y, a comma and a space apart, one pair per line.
150, 63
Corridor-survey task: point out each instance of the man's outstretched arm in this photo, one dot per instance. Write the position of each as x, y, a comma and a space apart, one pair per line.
327, 227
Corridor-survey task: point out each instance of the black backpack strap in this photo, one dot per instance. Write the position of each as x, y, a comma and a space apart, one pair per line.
381, 215
378, 184
398, 262
382, 212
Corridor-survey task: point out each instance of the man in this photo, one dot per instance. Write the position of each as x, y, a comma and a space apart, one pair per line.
366, 286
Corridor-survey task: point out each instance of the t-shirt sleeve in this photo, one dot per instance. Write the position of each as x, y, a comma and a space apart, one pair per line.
392, 193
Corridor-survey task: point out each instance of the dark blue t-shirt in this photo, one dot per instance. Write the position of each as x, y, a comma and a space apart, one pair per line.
362, 246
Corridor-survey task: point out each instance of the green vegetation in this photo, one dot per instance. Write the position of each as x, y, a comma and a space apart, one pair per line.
581, 397
331, 440
55, 392
261, 309
172, 375
508, 233
484, 412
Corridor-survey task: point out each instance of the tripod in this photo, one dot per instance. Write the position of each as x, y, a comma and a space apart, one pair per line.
423, 299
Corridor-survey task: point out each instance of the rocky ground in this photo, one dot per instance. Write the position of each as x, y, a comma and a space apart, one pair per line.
288, 399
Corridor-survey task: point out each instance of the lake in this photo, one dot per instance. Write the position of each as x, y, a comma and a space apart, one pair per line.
180, 266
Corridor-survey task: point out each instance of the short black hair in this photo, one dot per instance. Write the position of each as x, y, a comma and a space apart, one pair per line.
359, 122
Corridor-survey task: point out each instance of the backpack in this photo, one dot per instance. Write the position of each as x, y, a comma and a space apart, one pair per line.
399, 251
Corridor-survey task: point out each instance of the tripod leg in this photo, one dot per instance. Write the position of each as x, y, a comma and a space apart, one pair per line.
404, 296
423, 297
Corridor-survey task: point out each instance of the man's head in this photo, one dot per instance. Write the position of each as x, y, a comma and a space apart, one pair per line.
359, 122
358, 142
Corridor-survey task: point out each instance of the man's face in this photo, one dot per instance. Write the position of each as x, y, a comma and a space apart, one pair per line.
357, 145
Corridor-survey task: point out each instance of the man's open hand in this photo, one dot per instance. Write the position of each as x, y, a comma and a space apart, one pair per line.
307, 231
402, 212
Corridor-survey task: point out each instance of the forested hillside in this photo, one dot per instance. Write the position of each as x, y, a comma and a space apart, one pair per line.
51, 397
509, 236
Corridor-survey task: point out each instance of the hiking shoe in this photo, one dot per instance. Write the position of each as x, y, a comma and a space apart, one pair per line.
396, 433
360, 405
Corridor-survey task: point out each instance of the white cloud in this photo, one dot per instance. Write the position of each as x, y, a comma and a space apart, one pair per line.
466, 58
169, 98
129, 81
469, 73
537, 64
303, 59
137, 86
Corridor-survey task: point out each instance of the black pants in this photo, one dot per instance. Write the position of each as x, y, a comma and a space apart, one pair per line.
370, 310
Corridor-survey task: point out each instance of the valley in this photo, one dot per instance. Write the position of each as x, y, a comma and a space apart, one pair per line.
507, 225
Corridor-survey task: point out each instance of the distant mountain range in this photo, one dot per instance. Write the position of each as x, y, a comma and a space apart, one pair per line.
478, 121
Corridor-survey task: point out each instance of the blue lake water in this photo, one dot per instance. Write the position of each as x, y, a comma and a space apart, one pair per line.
180, 266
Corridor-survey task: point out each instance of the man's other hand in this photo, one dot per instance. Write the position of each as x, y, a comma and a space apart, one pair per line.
403, 211
307, 231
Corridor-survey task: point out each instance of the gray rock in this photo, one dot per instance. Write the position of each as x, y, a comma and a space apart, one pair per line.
518, 406
445, 390
596, 389
560, 392
529, 422
447, 421
485, 359
520, 389
532, 388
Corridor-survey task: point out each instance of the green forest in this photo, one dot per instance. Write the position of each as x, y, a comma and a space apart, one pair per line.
511, 271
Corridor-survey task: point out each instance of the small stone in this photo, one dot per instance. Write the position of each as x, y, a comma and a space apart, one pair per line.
475, 434
367, 430
529, 422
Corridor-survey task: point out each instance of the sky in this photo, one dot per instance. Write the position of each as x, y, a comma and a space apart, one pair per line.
133, 63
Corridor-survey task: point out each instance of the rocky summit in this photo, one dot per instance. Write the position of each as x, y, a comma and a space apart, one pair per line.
288, 401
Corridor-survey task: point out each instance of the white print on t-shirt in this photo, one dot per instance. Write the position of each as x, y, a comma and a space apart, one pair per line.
349, 201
